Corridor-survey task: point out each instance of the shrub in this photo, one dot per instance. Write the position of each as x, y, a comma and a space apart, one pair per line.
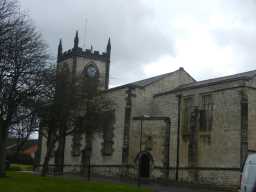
20, 158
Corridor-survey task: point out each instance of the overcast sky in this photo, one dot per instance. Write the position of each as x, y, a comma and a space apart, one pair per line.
209, 38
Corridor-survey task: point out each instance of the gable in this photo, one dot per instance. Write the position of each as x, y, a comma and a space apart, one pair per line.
165, 81
169, 81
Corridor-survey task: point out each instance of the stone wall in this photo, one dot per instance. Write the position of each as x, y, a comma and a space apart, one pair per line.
141, 104
152, 140
118, 97
252, 115
167, 105
218, 151
98, 159
224, 178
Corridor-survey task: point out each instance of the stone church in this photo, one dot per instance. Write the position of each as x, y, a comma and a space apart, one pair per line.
169, 126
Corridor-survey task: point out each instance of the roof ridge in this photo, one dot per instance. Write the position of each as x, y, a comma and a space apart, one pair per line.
157, 77
221, 77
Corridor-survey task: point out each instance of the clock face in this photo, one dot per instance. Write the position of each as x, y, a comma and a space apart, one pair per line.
91, 71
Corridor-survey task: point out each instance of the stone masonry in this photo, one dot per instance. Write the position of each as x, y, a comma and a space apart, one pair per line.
169, 126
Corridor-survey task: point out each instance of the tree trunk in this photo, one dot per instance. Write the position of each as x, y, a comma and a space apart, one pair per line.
86, 156
45, 168
37, 160
50, 148
3, 143
59, 158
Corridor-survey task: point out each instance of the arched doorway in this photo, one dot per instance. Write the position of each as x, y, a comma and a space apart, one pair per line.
144, 165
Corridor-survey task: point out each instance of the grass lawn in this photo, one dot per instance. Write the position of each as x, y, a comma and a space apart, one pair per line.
20, 167
25, 182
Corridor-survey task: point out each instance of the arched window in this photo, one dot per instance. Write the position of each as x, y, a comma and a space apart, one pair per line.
91, 71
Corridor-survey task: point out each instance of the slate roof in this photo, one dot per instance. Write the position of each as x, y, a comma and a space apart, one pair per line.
239, 76
145, 82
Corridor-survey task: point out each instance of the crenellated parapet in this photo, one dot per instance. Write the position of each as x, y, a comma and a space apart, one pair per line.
77, 51
87, 53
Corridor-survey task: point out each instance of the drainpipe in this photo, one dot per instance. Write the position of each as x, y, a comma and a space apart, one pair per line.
178, 140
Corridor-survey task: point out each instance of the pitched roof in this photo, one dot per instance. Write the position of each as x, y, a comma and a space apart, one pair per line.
146, 82
239, 76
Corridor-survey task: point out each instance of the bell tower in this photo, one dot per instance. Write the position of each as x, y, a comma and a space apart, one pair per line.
88, 62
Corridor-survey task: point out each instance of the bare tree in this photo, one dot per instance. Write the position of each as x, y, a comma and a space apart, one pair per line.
23, 62
23, 130
55, 114
78, 106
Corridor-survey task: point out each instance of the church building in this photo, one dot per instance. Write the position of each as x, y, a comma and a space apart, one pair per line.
169, 127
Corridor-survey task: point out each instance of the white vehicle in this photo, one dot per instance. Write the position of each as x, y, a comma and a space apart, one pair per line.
248, 178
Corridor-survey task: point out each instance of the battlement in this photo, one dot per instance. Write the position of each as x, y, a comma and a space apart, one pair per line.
77, 51
87, 53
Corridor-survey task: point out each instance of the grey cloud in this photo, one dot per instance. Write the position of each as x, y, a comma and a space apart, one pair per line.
142, 31
135, 41
241, 33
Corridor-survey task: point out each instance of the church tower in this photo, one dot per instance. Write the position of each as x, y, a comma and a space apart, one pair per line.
90, 63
